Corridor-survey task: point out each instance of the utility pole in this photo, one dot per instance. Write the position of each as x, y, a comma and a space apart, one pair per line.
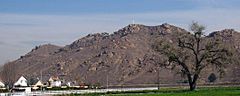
158, 77
41, 81
107, 81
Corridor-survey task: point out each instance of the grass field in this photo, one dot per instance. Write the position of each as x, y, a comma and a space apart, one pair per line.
220, 91
198, 92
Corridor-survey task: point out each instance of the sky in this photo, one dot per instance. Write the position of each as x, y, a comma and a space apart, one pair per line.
25, 24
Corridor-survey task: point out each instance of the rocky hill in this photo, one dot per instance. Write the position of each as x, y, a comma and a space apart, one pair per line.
124, 57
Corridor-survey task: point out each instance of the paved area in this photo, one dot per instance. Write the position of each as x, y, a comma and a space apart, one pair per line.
49, 93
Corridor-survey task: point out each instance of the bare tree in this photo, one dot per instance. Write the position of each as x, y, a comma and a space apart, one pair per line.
193, 53
8, 74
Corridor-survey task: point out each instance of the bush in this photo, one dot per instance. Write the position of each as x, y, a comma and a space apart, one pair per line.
212, 78
3, 90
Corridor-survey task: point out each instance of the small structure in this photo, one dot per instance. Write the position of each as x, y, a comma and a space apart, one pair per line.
22, 82
38, 85
55, 82
21, 85
2, 85
69, 84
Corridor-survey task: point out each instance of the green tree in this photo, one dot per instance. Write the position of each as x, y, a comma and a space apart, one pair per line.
193, 53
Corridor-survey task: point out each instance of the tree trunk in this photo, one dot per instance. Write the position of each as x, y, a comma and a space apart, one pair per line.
191, 82
192, 86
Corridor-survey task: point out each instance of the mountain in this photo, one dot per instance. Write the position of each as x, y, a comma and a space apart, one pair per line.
124, 57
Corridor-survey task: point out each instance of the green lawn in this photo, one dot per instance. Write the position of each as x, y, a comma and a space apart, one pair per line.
222, 91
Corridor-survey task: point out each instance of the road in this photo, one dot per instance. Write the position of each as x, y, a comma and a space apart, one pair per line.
50, 93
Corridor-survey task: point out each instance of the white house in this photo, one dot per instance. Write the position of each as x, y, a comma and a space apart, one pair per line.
37, 85
55, 82
22, 82
21, 85
2, 84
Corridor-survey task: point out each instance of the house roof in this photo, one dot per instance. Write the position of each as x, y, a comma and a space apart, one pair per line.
21, 82
22, 78
2, 84
53, 78
39, 83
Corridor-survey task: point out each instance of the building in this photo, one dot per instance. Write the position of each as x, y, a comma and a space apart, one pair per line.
22, 82
38, 85
21, 85
2, 85
54, 82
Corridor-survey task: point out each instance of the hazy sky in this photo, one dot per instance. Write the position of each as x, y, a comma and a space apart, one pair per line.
27, 23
